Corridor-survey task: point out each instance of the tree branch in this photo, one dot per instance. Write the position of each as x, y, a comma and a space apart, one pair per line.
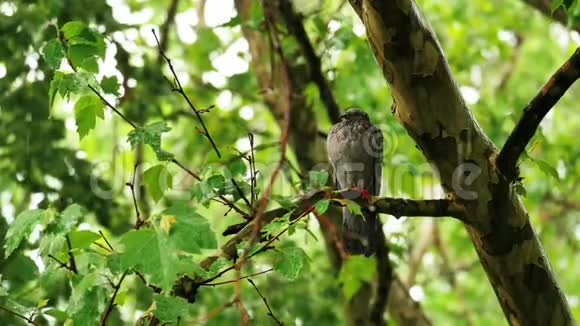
111, 304
384, 280
429, 105
178, 88
27, 319
534, 112
72, 263
270, 313
186, 286
131, 184
294, 24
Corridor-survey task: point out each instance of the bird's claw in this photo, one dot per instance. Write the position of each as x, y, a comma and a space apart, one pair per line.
363, 193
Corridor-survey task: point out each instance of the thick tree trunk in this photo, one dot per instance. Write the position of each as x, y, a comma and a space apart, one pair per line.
310, 151
428, 104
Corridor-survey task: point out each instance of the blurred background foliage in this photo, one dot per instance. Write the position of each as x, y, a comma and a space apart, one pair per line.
500, 52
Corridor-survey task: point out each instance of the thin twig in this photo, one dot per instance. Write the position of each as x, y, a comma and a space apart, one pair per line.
102, 246
72, 264
110, 106
263, 248
27, 319
179, 89
533, 114
223, 198
155, 289
252, 150
62, 264
252, 161
241, 278
270, 313
111, 304
131, 185
106, 241
240, 192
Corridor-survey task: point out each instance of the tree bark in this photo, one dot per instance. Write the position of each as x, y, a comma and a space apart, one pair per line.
428, 104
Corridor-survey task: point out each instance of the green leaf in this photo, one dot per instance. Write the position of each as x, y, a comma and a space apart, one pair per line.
82, 285
67, 84
71, 216
157, 180
354, 272
60, 315
568, 4
53, 244
290, 261
256, 15
82, 238
114, 263
547, 169
213, 269
54, 86
151, 135
322, 206
84, 56
21, 228
200, 192
53, 53
151, 254
216, 183
72, 28
191, 231
353, 207
87, 311
318, 178
237, 167
284, 201
275, 226
87, 109
233, 22
42, 303
77, 33
520, 189
110, 85
169, 308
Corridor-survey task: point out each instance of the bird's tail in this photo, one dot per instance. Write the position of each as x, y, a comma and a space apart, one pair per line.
359, 232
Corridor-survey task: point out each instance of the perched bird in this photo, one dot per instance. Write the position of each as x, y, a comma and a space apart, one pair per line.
355, 152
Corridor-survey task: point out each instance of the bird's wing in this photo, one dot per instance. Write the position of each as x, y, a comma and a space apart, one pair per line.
377, 164
330, 144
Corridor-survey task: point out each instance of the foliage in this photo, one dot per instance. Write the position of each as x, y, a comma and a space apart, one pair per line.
71, 242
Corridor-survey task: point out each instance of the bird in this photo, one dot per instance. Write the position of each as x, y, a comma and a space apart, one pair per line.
355, 152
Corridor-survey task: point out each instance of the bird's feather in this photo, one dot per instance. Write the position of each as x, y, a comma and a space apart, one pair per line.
355, 151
